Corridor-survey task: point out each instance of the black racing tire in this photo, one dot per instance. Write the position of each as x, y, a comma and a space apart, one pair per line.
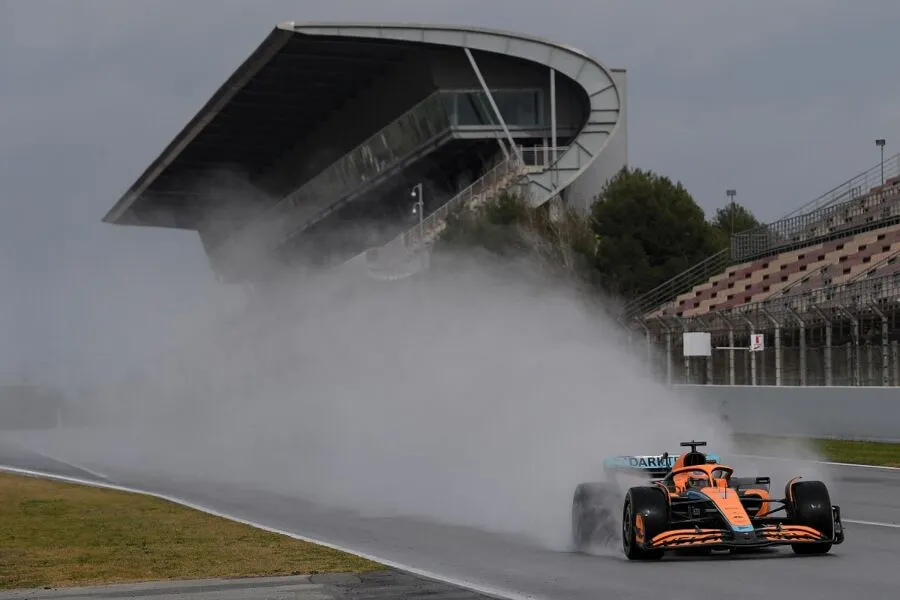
652, 504
810, 505
593, 514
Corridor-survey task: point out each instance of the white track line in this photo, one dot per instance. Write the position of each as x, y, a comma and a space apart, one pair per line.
819, 462
872, 523
475, 587
93, 472
837, 464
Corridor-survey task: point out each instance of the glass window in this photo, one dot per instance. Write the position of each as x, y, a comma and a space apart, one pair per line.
518, 107
473, 109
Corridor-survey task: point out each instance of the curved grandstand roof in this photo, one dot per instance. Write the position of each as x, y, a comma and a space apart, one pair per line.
264, 108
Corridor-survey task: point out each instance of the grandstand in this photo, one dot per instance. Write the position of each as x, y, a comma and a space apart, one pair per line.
309, 153
822, 285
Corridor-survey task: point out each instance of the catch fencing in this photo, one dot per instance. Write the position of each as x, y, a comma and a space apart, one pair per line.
841, 335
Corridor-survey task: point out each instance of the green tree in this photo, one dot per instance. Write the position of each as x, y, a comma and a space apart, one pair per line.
733, 218
508, 226
494, 227
648, 230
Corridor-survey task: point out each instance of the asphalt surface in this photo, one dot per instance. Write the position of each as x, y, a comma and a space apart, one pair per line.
863, 567
370, 586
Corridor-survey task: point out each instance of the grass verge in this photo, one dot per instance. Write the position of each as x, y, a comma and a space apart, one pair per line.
844, 451
55, 534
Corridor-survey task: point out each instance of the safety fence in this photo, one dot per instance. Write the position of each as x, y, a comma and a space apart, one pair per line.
871, 197
845, 334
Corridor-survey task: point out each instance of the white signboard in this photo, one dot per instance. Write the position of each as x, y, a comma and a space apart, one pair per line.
697, 344
757, 342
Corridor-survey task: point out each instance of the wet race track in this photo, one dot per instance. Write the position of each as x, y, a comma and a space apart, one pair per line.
865, 566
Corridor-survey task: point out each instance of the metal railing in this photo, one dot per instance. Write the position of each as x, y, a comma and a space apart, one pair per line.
422, 125
873, 269
842, 334
842, 208
853, 188
416, 128
837, 299
540, 156
499, 178
848, 208
682, 283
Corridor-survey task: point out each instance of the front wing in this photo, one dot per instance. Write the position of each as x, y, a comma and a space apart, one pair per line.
766, 532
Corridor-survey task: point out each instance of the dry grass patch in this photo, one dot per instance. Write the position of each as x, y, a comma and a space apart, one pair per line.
58, 534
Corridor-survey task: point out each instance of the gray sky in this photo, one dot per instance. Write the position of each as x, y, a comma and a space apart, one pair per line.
780, 99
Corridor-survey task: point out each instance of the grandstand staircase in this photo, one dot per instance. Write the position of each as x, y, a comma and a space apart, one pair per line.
546, 176
665, 294
409, 253
418, 131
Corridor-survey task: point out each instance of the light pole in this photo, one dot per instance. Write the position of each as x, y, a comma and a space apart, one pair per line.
731, 194
419, 207
880, 143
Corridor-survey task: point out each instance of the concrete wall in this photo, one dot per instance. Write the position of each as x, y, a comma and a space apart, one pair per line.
868, 413
580, 195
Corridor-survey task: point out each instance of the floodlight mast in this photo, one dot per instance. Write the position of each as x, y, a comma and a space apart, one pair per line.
731, 194
419, 207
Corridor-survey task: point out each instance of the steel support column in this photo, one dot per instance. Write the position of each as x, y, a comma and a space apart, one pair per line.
829, 370
885, 347
752, 354
687, 359
777, 345
494, 107
802, 325
553, 135
709, 359
854, 350
895, 352
731, 374
668, 350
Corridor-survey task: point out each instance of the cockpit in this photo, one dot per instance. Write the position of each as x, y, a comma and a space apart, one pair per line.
694, 458
691, 479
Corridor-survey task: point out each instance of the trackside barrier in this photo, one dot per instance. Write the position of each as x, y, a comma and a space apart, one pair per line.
853, 412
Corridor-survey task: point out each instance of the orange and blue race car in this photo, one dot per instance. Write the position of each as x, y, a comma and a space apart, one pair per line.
694, 503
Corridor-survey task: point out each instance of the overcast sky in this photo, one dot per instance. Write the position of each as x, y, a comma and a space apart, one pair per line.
780, 99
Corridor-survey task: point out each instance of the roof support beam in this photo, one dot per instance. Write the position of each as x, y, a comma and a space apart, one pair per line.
496, 110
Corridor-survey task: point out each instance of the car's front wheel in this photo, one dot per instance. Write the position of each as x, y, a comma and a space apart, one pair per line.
810, 505
652, 508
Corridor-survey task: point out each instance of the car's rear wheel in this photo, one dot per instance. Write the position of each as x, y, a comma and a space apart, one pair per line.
810, 505
593, 517
651, 505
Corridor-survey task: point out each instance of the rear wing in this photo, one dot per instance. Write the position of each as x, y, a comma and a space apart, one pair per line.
656, 466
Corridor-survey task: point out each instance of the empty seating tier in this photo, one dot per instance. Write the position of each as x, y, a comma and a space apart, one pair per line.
797, 271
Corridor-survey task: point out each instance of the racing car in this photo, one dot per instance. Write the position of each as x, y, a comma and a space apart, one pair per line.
694, 503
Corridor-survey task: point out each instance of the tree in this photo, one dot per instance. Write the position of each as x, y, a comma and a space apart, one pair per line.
508, 226
731, 219
648, 230
735, 218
